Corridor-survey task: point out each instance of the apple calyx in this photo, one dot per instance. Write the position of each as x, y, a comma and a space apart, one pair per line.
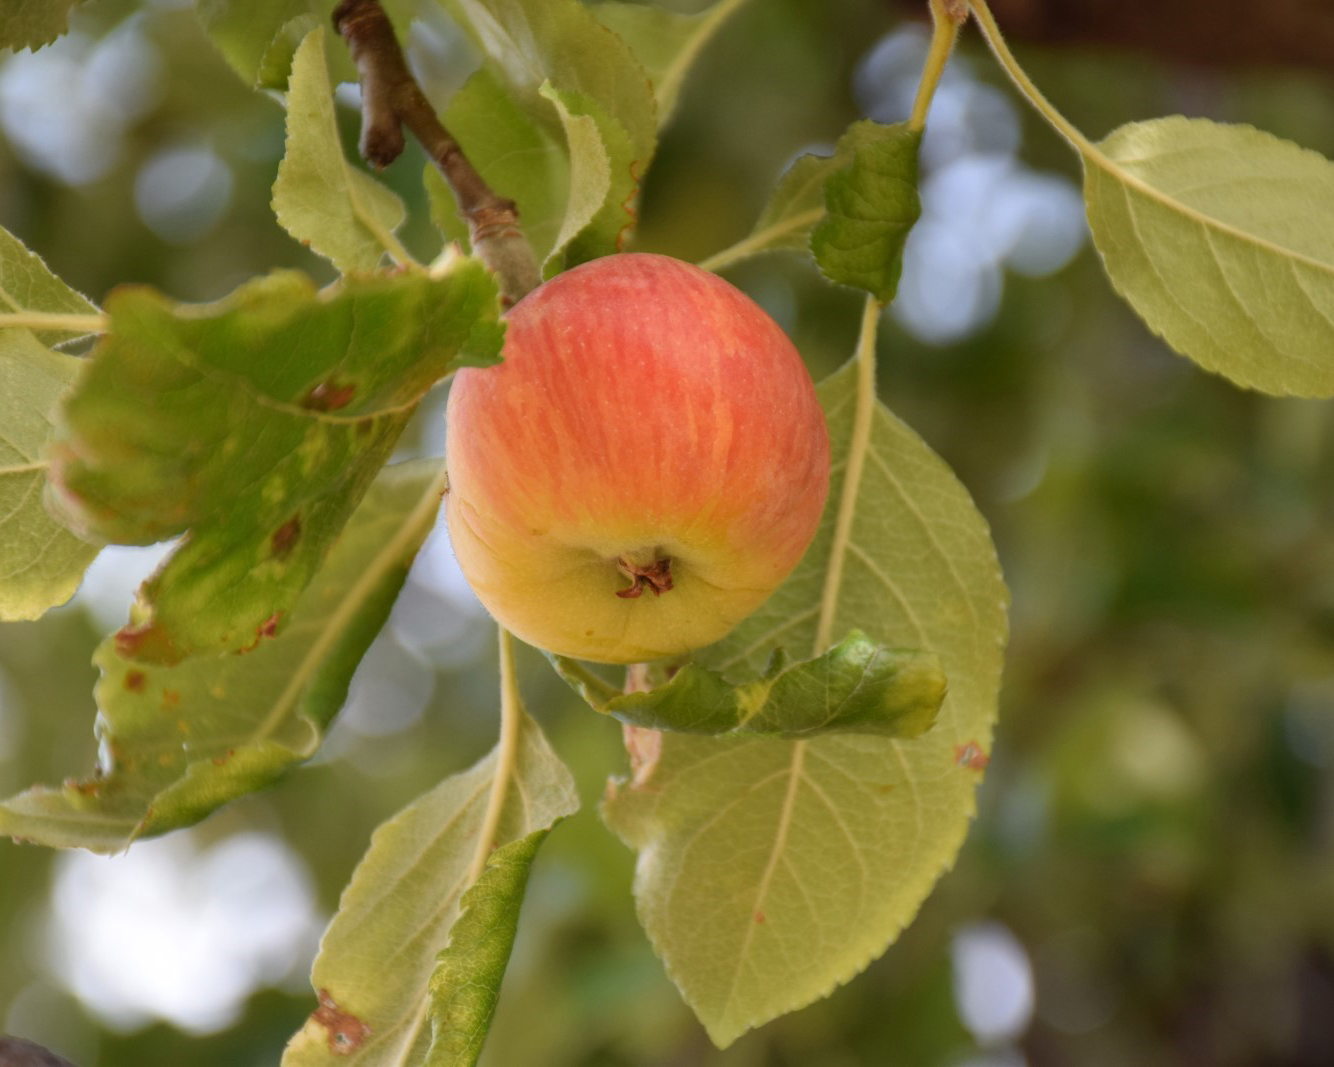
655, 576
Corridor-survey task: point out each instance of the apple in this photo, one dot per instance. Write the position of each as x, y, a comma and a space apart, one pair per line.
646, 465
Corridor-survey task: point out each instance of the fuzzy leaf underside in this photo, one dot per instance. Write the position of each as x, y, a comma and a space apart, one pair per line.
465, 984
401, 909
857, 686
870, 207
177, 742
254, 425
325, 202
771, 871
1221, 237
41, 562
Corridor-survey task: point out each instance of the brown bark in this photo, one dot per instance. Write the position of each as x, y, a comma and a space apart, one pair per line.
392, 99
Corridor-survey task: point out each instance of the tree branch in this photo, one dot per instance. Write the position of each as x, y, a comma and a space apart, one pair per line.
392, 99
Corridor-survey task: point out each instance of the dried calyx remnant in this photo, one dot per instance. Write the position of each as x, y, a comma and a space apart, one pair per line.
392, 99
656, 576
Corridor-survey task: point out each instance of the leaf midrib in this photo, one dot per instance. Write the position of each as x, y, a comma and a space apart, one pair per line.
1093, 154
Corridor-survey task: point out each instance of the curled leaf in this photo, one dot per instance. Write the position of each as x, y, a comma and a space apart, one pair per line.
857, 686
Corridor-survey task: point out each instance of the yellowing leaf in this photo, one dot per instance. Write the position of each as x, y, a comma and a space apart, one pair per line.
771, 871
1222, 239
27, 284
376, 959
41, 562
323, 201
177, 742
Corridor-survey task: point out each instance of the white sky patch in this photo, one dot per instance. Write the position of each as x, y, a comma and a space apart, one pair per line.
110, 583
437, 571
993, 982
67, 107
183, 192
174, 932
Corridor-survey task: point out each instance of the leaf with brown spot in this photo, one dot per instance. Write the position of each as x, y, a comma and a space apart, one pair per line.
732, 826
232, 724
410, 954
284, 538
346, 1032
328, 396
190, 420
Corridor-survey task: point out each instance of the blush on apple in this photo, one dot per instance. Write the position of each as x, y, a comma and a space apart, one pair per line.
645, 467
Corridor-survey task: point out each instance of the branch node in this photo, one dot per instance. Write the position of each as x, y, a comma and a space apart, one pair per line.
392, 99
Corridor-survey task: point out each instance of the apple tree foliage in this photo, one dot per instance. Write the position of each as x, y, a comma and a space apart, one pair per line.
794, 791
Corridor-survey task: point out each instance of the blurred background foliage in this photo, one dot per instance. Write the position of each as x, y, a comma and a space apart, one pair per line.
1151, 876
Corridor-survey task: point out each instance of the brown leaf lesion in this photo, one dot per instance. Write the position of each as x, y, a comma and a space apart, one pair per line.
329, 396
346, 1033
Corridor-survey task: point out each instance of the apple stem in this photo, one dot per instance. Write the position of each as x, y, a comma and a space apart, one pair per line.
655, 576
392, 99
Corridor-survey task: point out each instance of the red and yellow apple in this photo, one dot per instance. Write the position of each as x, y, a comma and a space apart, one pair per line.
643, 469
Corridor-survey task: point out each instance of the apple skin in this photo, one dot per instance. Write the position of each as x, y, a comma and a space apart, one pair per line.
645, 411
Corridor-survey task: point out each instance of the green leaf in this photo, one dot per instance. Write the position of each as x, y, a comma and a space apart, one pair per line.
559, 41
255, 424
177, 742
33, 23
563, 66
244, 30
857, 686
798, 201
41, 562
258, 37
513, 153
465, 985
27, 284
603, 180
338, 210
666, 43
1222, 240
870, 206
275, 66
771, 871
402, 908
